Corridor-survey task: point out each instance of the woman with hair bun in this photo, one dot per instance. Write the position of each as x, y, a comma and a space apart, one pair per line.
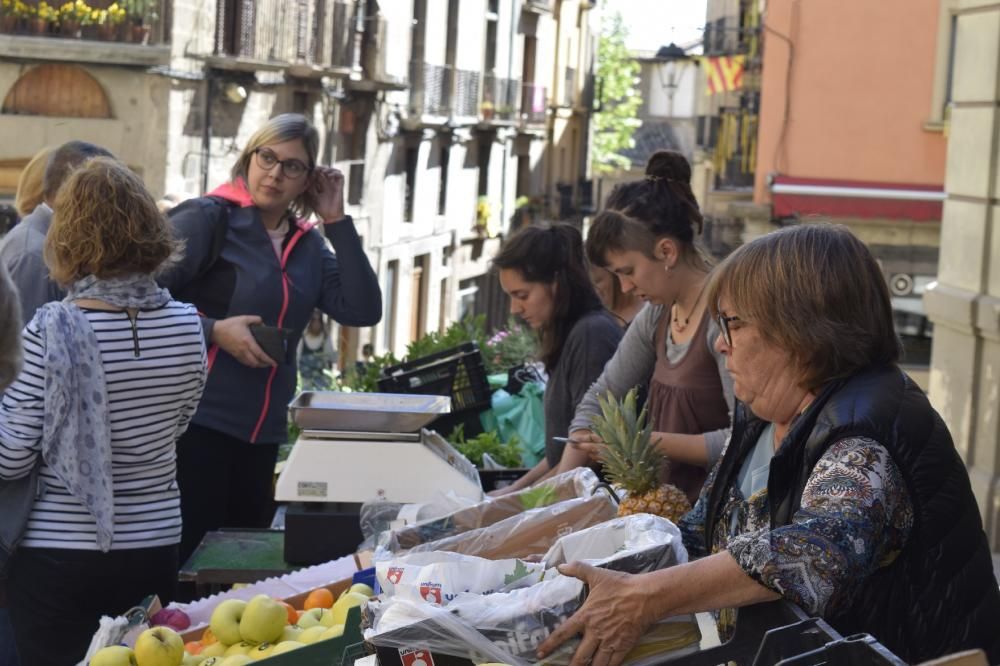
544, 272
646, 238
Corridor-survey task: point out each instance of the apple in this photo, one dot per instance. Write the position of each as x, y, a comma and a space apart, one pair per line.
159, 646
243, 647
287, 646
192, 659
312, 634
336, 631
263, 620
225, 622
214, 650
314, 617
211, 661
361, 588
236, 660
114, 655
290, 633
345, 603
262, 651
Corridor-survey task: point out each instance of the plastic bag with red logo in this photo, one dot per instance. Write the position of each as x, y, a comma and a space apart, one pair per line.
438, 577
529, 534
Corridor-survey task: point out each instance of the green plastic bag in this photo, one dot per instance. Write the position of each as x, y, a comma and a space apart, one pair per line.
523, 415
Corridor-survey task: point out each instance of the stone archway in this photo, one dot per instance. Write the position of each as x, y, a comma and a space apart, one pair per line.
65, 91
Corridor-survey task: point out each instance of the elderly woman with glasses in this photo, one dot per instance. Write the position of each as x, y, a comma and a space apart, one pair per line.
840, 489
254, 259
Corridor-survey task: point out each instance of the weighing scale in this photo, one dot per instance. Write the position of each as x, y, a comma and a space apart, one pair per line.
362, 447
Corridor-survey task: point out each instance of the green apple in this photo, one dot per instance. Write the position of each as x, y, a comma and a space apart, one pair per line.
287, 646
213, 650
243, 647
192, 659
314, 617
363, 589
159, 646
290, 633
312, 634
262, 651
212, 661
114, 655
236, 660
336, 631
345, 603
225, 622
263, 620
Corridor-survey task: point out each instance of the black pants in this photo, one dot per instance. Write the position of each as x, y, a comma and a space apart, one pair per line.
224, 482
56, 597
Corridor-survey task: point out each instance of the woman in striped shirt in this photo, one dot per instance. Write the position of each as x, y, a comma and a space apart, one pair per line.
110, 380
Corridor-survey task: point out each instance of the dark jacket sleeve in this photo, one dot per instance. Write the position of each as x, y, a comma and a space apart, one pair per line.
194, 223
351, 293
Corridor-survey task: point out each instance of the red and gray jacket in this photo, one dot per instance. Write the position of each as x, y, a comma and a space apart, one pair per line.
230, 268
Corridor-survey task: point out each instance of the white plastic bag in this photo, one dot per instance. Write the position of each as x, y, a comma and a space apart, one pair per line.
439, 577
634, 544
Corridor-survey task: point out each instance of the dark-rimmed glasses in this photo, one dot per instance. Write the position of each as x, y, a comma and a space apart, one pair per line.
291, 169
723, 322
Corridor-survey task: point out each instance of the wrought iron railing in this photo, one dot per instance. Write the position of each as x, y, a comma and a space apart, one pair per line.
500, 98
534, 103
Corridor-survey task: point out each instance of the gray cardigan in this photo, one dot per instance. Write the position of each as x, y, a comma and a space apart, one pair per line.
633, 365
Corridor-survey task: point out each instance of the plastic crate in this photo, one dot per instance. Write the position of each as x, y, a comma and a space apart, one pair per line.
458, 372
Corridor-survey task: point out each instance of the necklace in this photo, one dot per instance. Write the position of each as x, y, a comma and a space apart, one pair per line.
678, 326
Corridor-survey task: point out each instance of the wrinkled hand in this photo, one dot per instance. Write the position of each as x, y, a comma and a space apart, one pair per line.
612, 619
233, 336
587, 442
328, 186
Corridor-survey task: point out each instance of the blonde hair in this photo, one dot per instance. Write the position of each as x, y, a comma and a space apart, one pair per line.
105, 223
286, 127
816, 292
30, 188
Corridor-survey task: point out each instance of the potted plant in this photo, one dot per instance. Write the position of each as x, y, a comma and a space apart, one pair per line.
15, 16
45, 19
486, 110
139, 16
72, 16
483, 215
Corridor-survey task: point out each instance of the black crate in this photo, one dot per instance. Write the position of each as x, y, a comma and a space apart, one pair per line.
458, 372
317, 532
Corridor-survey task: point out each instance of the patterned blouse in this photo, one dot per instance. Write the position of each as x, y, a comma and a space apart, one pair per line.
854, 518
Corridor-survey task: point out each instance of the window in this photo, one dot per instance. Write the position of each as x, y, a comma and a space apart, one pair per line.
466, 294
944, 63
443, 307
389, 302
444, 158
418, 297
485, 145
412, 152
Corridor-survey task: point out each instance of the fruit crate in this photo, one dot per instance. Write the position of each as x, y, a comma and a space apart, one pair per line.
458, 372
323, 653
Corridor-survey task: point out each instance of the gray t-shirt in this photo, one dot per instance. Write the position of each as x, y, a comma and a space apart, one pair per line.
633, 365
21, 253
590, 344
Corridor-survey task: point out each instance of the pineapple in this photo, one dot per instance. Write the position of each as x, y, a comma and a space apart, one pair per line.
631, 460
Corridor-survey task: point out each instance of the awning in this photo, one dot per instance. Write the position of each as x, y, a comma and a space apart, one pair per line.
791, 196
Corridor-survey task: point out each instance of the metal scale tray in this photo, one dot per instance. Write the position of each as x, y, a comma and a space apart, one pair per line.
366, 412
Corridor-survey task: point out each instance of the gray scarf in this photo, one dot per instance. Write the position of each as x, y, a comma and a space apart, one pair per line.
76, 434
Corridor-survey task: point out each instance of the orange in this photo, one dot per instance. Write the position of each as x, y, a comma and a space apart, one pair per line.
208, 638
321, 598
193, 647
293, 615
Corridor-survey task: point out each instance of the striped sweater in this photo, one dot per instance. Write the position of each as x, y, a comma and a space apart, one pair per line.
155, 376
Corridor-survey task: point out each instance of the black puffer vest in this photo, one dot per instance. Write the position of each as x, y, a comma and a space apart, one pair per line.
939, 595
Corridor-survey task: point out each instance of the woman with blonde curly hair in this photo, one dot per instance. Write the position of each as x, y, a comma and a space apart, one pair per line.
30, 184
112, 376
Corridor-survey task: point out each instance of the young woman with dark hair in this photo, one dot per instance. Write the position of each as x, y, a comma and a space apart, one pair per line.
646, 238
543, 271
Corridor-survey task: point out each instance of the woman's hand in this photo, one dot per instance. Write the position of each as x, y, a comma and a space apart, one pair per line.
611, 621
328, 189
586, 442
233, 336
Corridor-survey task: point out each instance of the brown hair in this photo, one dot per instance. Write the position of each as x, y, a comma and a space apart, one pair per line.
29, 183
816, 292
285, 127
661, 204
63, 161
105, 223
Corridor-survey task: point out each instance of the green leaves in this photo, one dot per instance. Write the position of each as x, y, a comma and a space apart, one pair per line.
616, 121
629, 456
507, 454
520, 571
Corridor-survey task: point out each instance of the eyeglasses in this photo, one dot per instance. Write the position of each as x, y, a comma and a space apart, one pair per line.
723, 322
291, 169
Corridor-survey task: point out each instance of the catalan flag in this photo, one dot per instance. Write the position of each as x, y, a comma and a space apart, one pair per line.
723, 73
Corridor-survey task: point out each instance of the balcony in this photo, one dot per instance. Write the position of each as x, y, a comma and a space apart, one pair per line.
314, 38
440, 90
99, 31
534, 103
499, 99
465, 100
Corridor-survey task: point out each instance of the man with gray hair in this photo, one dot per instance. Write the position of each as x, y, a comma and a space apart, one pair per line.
21, 251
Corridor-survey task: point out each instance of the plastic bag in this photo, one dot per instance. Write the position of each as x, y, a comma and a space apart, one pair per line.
580, 482
528, 534
522, 414
633, 544
439, 577
378, 517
